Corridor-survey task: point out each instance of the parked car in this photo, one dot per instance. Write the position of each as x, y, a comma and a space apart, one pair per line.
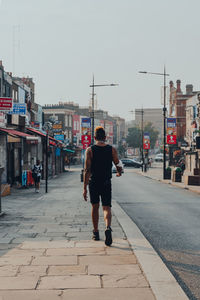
114, 169
127, 162
159, 157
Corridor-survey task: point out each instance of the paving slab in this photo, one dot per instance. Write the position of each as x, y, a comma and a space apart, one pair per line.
32, 270
55, 260
66, 270
47, 245
76, 251
70, 282
114, 269
124, 281
8, 270
30, 295
107, 260
15, 261
19, 283
109, 294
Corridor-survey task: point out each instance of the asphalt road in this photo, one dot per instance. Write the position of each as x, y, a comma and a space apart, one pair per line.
169, 218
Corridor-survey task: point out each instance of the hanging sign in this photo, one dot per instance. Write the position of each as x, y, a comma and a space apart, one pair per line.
171, 131
86, 141
146, 141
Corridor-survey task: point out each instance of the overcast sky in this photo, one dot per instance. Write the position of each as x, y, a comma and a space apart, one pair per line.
61, 43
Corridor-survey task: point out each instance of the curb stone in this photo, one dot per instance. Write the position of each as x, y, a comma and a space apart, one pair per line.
162, 282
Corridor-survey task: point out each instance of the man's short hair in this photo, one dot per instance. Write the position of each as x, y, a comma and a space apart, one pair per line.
100, 134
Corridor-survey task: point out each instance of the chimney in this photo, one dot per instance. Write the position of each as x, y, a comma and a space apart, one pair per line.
189, 89
178, 85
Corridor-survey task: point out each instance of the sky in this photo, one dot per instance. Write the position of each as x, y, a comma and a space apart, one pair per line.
62, 43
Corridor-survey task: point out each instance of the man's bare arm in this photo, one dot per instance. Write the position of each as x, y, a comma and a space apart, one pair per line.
87, 171
116, 161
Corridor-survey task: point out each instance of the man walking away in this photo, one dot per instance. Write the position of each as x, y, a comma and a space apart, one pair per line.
37, 169
98, 174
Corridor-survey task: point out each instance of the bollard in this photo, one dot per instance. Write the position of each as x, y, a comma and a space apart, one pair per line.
1, 171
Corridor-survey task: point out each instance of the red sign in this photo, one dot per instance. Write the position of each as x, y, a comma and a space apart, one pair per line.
146, 144
171, 139
5, 103
86, 141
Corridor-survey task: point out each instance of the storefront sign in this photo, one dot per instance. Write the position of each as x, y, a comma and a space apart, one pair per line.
18, 109
59, 137
5, 103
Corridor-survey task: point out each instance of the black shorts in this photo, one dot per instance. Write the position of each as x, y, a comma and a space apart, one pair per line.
37, 179
103, 190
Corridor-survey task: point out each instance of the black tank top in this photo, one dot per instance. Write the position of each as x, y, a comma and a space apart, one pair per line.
101, 168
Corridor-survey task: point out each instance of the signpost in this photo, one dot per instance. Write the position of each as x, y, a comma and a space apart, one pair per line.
171, 131
5, 103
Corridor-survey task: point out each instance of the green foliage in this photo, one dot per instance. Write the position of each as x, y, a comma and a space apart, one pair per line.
121, 150
134, 136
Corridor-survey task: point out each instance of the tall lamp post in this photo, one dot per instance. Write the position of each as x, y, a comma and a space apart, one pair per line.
92, 113
164, 116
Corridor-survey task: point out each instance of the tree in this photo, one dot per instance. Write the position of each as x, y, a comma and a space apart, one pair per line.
134, 135
152, 132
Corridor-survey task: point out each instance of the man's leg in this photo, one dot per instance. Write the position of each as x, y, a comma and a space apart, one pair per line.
107, 219
107, 215
95, 216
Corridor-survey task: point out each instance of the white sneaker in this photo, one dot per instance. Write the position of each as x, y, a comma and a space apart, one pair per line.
37, 191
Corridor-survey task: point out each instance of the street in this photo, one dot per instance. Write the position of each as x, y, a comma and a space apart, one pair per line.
169, 219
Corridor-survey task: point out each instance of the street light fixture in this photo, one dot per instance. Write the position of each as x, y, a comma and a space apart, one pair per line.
164, 116
92, 114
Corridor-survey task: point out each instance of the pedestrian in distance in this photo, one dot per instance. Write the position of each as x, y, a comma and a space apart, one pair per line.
98, 174
36, 174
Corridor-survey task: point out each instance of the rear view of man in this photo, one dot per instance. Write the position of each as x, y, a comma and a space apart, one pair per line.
98, 174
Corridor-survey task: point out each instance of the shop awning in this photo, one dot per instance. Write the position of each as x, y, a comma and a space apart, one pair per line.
52, 141
17, 133
68, 150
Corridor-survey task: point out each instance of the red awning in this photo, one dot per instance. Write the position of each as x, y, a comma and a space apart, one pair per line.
14, 132
52, 141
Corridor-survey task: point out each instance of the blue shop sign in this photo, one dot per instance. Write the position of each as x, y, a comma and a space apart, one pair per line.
59, 137
18, 109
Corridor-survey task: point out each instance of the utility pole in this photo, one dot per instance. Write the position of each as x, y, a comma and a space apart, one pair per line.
92, 113
164, 127
164, 116
142, 136
92, 119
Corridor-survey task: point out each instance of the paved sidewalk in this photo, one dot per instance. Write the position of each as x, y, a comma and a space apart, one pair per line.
156, 173
46, 251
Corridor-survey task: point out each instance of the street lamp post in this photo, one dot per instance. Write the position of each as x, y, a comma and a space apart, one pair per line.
92, 113
164, 117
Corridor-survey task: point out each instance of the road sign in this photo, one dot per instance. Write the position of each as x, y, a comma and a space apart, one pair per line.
5, 103
86, 141
171, 139
18, 109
